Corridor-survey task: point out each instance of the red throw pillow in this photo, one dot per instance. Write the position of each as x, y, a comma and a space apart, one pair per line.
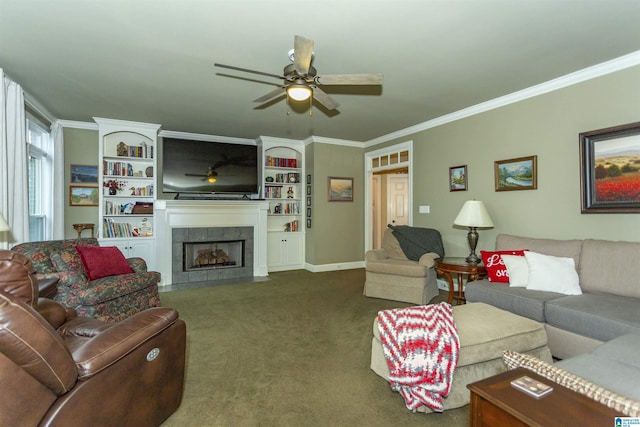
103, 261
496, 270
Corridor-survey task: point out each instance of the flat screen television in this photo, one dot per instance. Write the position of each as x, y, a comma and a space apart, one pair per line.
206, 167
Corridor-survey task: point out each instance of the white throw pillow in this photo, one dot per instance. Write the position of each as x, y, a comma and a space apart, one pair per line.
518, 270
552, 274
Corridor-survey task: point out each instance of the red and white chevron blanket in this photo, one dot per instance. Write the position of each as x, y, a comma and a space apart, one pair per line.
421, 346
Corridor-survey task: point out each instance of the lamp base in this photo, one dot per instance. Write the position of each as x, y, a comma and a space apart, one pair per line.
472, 237
473, 259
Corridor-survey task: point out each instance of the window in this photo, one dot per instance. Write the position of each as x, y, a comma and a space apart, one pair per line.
39, 152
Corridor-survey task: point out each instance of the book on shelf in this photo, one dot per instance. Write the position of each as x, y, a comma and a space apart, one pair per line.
281, 162
531, 386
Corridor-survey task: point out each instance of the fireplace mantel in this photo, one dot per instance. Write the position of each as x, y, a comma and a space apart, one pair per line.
209, 213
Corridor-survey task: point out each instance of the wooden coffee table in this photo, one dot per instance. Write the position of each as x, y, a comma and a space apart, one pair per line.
495, 402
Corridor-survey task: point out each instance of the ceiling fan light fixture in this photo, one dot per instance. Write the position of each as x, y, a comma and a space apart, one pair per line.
299, 92
212, 177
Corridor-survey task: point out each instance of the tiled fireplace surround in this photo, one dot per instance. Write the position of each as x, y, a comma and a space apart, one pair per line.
177, 220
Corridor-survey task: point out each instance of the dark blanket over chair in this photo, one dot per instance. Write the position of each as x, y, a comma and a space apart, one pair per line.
417, 241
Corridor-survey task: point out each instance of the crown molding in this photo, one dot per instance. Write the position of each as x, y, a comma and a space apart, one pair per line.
77, 125
205, 137
324, 140
618, 64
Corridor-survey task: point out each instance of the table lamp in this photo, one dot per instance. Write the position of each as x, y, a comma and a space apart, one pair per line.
473, 215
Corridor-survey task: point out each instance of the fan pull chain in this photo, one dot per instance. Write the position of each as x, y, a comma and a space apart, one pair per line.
311, 105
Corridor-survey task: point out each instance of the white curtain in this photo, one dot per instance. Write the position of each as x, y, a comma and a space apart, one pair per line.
57, 216
14, 203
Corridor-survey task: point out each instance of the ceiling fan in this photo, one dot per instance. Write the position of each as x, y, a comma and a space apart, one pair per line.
211, 176
301, 80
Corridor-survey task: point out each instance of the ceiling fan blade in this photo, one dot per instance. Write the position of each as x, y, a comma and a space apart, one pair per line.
194, 174
270, 95
324, 99
302, 50
350, 79
246, 70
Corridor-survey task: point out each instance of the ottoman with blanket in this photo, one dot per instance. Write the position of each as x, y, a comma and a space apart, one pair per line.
484, 332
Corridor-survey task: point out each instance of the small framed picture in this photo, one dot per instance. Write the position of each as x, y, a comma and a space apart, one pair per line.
83, 196
340, 189
458, 178
308, 201
308, 212
308, 190
84, 174
308, 222
308, 179
516, 174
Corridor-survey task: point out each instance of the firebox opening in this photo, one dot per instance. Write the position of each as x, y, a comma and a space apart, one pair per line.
213, 255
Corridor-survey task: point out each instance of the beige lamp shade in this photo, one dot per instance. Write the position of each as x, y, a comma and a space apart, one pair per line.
473, 214
3, 224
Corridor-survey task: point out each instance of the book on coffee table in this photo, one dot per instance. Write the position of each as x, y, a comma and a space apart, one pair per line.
531, 387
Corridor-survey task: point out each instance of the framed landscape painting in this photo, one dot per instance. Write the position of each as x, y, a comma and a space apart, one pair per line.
83, 196
516, 174
458, 178
610, 169
340, 189
84, 174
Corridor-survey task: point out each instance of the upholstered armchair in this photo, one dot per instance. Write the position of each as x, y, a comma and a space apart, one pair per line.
57, 369
123, 292
391, 275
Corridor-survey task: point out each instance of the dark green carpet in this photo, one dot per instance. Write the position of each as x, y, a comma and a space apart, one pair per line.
291, 351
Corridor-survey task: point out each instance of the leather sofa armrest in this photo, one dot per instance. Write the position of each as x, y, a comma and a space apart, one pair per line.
116, 342
375, 255
428, 259
54, 312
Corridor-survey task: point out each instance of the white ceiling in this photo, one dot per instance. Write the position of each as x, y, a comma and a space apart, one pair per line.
152, 60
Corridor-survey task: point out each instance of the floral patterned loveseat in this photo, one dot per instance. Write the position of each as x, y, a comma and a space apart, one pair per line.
111, 298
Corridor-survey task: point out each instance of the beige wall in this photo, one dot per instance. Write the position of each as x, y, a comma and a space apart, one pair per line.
337, 233
81, 148
546, 126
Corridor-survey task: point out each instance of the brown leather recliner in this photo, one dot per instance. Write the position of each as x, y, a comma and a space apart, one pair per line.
57, 369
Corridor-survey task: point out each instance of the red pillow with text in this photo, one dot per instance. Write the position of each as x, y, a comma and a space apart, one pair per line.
496, 270
103, 261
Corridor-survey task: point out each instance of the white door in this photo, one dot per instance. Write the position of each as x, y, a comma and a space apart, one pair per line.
398, 199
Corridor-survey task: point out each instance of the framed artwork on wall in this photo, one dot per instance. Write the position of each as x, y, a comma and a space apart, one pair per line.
83, 196
610, 169
516, 174
340, 189
458, 178
84, 174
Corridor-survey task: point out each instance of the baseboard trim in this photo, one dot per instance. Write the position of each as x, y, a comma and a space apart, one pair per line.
334, 267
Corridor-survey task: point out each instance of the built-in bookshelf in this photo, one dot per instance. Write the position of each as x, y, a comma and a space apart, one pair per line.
283, 177
127, 177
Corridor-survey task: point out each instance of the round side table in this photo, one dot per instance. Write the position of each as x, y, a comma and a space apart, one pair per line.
458, 265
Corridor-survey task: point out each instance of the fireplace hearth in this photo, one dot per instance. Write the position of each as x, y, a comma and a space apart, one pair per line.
209, 254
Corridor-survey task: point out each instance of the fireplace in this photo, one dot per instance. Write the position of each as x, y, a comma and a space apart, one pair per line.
207, 254
176, 219
210, 255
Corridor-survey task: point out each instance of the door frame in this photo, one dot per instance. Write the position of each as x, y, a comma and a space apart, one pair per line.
368, 172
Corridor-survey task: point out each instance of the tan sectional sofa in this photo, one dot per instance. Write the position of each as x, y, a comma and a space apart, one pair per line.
609, 306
